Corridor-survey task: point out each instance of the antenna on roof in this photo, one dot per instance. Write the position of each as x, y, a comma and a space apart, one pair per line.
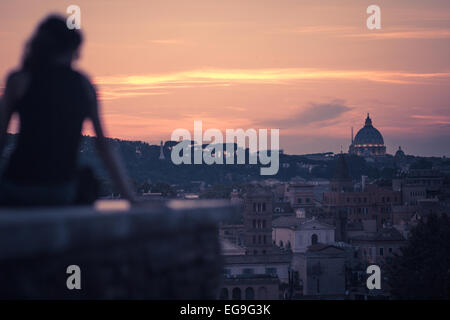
352, 135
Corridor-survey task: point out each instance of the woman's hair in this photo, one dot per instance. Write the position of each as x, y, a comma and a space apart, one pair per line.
51, 40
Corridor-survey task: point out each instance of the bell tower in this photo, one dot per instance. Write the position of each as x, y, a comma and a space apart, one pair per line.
341, 181
161, 152
258, 222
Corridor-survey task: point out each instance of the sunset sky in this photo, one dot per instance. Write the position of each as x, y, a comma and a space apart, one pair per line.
310, 68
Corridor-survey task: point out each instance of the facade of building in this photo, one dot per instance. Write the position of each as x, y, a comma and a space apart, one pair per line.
253, 266
300, 196
322, 271
258, 222
419, 184
377, 247
368, 142
233, 233
250, 287
276, 264
372, 202
297, 234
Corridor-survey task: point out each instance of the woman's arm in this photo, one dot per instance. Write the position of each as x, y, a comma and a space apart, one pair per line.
108, 155
15, 86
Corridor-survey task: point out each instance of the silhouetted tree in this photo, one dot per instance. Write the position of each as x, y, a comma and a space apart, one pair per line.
422, 271
164, 188
217, 191
422, 164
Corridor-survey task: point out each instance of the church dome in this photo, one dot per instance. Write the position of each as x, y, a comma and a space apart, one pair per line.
368, 135
399, 153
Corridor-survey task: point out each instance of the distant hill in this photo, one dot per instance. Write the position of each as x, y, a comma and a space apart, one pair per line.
144, 166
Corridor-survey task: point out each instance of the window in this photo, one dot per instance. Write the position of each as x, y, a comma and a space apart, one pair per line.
236, 294
249, 293
308, 200
390, 250
299, 200
247, 271
272, 271
381, 251
224, 294
314, 239
264, 207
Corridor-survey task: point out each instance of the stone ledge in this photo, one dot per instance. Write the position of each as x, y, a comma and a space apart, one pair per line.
152, 252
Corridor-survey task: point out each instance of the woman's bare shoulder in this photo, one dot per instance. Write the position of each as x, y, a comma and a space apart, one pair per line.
87, 84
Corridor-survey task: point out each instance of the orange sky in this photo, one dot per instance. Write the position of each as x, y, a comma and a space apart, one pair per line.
310, 68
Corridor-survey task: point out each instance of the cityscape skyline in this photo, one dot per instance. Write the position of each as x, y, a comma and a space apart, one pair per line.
313, 71
237, 151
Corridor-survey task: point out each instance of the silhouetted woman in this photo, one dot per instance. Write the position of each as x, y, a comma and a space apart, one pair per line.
52, 100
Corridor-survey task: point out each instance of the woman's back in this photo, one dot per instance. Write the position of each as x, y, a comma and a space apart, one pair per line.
51, 113
52, 100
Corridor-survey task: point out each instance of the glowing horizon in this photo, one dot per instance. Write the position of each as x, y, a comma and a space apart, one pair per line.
312, 70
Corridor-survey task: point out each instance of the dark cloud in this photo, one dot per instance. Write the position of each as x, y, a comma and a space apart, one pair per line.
321, 114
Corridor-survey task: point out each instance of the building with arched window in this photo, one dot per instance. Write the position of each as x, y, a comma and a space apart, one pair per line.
297, 234
250, 287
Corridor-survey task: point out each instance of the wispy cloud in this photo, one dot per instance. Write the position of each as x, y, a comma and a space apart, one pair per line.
168, 41
279, 75
316, 29
433, 119
319, 114
114, 87
403, 34
355, 32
